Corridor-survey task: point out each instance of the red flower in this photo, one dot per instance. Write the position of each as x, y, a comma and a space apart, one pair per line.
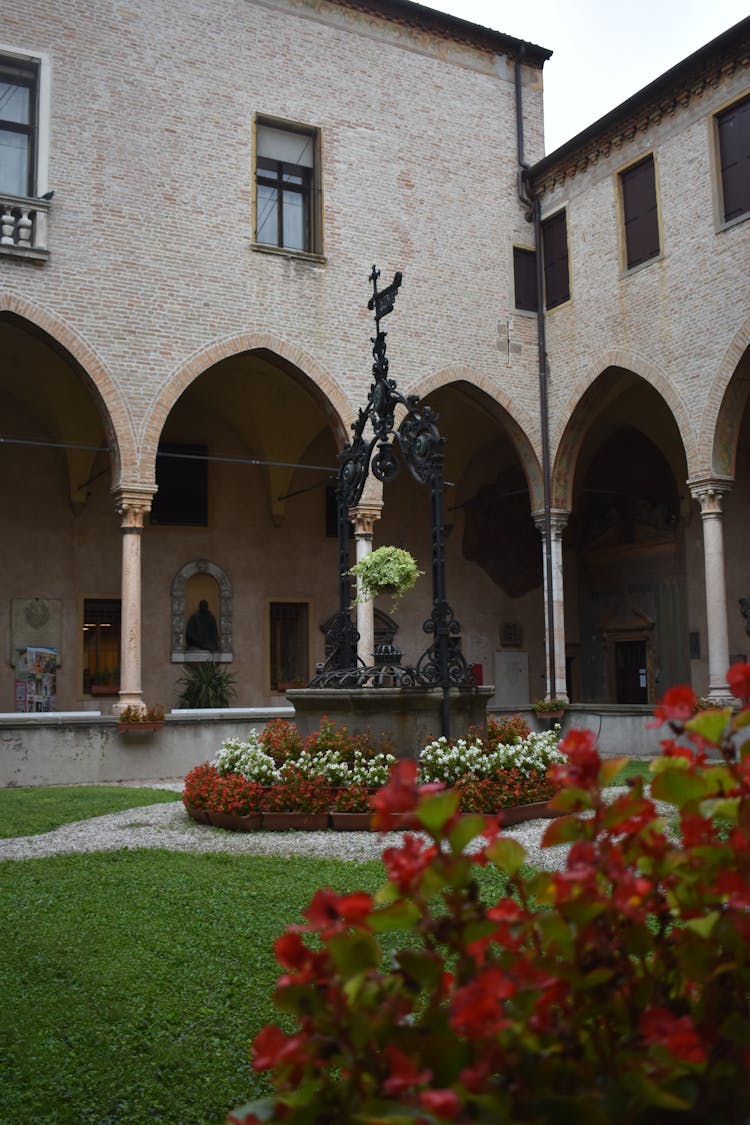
678, 704
405, 865
404, 1073
272, 1048
581, 771
477, 1008
676, 1033
443, 1103
738, 678
330, 913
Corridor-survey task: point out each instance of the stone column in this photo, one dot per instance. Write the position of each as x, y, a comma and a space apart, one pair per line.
132, 504
558, 523
363, 516
708, 492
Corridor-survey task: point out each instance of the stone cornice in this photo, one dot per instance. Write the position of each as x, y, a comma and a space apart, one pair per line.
702, 71
440, 25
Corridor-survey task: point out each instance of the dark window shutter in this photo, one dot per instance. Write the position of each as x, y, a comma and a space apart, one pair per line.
640, 211
555, 251
524, 276
734, 150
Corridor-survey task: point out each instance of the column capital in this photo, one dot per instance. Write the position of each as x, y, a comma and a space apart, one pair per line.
708, 492
364, 515
558, 519
131, 504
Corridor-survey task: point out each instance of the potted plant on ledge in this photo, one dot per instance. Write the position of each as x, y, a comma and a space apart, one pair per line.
388, 570
140, 720
550, 709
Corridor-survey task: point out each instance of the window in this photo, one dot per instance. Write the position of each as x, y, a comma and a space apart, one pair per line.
18, 125
524, 277
734, 153
286, 187
182, 482
289, 644
555, 258
640, 212
101, 646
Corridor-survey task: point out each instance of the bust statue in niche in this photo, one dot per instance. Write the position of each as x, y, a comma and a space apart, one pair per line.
202, 631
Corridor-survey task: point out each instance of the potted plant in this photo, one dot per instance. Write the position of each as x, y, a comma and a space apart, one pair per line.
351, 809
206, 685
388, 570
140, 720
553, 708
297, 801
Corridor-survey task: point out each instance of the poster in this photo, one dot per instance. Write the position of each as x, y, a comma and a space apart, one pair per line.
36, 678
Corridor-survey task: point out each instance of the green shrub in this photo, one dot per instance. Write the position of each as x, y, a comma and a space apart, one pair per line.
613, 992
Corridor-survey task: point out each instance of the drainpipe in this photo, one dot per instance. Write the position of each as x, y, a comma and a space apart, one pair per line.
533, 214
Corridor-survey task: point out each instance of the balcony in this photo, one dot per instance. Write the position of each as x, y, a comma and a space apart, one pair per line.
23, 227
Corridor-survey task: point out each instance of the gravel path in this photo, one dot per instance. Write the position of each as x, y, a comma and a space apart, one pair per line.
168, 826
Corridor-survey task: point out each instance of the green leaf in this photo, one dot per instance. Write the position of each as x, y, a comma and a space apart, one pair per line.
677, 787
610, 768
424, 969
743, 718
571, 798
434, 811
467, 829
655, 1094
399, 915
703, 926
596, 977
566, 830
354, 953
710, 724
507, 854
725, 807
555, 932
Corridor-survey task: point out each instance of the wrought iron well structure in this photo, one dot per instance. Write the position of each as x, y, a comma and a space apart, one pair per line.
442, 664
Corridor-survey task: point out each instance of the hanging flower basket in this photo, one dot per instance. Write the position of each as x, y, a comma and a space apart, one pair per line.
388, 570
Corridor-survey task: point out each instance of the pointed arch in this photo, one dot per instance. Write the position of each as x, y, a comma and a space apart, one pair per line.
589, 396
332, 399
725, 406
522, 430
109, 401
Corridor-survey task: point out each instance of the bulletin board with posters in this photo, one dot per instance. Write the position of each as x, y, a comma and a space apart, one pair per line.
36, 678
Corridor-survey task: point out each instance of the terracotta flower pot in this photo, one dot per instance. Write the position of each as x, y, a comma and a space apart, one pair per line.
236, 822
286, 821
518, 814
139, 728
352, 821
200, 815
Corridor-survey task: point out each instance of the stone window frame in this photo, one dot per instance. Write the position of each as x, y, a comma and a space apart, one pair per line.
638, 184
31, 209
730, 109
180, 653
315, 252
555, 263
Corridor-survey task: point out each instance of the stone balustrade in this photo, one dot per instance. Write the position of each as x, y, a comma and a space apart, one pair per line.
23, 226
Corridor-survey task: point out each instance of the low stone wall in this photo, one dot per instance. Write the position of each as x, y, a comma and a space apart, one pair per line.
86, 749
619, 728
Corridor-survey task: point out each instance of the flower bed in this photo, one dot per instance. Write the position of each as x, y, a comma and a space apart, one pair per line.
334, 772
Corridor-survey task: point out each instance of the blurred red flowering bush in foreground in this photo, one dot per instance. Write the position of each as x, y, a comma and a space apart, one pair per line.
616, 990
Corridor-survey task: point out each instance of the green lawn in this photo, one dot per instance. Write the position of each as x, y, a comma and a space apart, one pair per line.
132, 982
25, 812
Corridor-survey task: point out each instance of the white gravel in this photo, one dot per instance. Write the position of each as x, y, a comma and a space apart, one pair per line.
168, 826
